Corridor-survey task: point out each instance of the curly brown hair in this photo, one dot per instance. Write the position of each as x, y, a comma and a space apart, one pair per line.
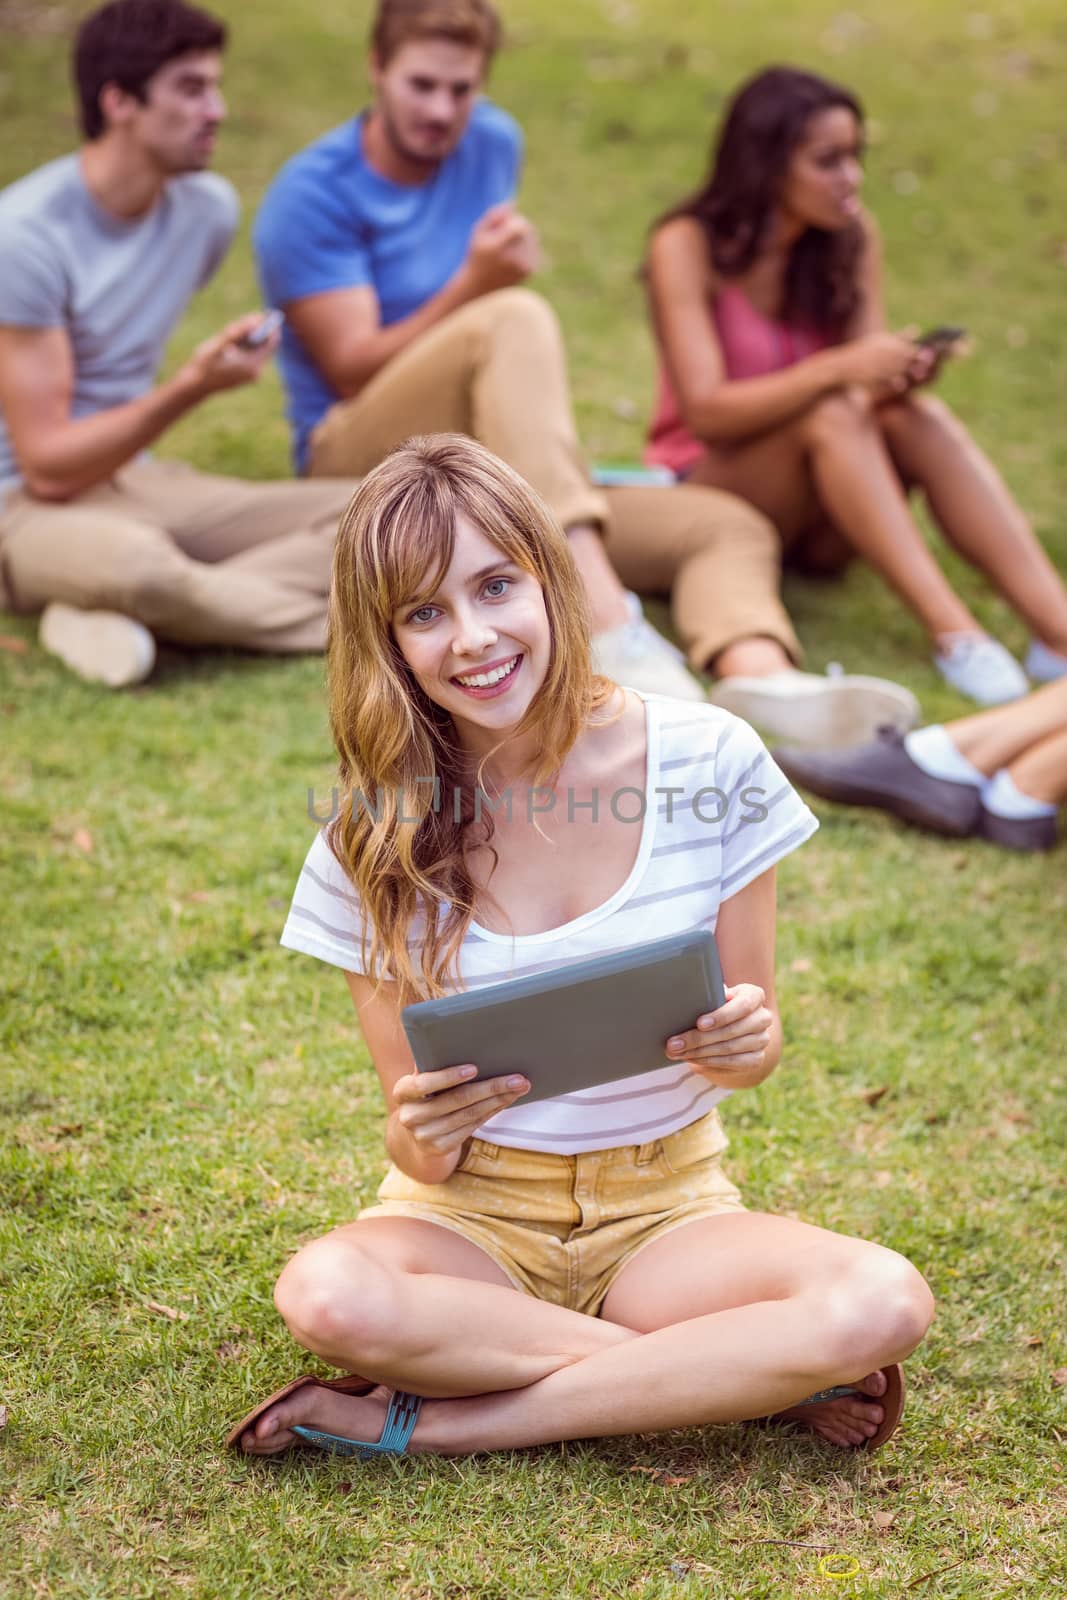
764, 124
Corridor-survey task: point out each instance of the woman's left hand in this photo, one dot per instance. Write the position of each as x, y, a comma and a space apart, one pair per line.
730, 1046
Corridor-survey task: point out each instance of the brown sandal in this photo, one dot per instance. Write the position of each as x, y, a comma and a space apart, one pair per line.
351, 1383
892, 1403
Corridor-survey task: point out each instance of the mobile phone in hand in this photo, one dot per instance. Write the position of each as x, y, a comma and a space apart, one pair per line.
942, 340
265, 329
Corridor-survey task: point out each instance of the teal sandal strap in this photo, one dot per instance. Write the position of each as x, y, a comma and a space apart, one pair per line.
400, 1420
843, 1391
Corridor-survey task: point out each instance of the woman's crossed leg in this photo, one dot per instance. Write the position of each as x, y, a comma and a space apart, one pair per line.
722, 1319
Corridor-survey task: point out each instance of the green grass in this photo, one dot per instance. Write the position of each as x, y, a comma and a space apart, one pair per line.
181, 1103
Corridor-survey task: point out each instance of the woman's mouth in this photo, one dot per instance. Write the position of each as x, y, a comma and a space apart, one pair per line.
490, 681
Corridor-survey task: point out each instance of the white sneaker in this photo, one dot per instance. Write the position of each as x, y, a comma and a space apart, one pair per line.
980, 668
638, 656
101, 646
1044, 664
819, 713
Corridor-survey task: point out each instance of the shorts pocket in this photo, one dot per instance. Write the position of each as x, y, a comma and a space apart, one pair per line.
482, 1159
698, 1142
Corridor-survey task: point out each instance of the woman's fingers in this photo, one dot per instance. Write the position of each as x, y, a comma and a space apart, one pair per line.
753, 1045
743, 1016
420, 1085
434, 1106
445, 1133
741, 1000
726, 1073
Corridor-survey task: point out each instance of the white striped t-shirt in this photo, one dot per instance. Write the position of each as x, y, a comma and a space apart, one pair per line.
716, 813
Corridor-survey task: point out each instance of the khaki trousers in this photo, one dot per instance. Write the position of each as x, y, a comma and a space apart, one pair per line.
199, 559
496, 370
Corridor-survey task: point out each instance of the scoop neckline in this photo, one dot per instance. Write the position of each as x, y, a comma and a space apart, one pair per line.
731, 286
626, 888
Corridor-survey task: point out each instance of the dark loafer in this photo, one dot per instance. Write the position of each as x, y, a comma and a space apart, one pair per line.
1017, 833
882, 774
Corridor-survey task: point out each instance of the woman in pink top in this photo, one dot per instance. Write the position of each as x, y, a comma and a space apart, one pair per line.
780, 383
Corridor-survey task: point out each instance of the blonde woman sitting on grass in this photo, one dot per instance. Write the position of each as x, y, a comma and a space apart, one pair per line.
581, 1266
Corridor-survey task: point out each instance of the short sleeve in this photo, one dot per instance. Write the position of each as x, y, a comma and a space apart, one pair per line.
325, 918
306, 241
226, 216
505, 137
767, 819
33, 286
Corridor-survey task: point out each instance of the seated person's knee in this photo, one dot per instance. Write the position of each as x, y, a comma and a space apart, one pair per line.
332, 1301
915, 410
846, 410
524, 305
878, 1310
157, 586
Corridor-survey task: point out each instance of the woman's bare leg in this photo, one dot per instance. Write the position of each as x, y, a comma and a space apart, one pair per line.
772, 472
833, 461
782, 1310
975, 510
1041, 771
998, 737
419, 1307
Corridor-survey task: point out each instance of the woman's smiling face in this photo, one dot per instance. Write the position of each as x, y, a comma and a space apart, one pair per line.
479, 646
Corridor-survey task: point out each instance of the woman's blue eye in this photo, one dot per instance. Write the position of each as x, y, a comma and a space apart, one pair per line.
423, 614
496, 587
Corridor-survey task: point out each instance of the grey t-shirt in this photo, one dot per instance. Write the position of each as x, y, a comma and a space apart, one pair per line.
117, 287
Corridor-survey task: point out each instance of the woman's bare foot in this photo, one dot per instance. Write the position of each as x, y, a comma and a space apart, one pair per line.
844, 1422
314, 1406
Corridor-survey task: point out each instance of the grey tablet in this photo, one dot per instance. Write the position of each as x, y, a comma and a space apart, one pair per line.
589, 1023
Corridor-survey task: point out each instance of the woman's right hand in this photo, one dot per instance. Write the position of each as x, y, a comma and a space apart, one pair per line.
878, 360
441, 1110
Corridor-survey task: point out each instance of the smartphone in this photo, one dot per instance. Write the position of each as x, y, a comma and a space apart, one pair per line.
942, 339
263, 330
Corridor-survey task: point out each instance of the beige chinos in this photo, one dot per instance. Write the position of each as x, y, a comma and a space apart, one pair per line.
496, 370
197, 558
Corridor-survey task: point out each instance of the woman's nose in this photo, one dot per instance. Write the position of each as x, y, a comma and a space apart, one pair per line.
472, 635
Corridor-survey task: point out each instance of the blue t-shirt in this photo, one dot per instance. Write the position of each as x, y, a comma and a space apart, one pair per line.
330, 221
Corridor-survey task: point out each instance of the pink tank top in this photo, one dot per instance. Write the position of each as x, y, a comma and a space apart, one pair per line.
752, 346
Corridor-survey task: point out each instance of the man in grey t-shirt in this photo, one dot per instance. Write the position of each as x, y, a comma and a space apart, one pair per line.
100, 253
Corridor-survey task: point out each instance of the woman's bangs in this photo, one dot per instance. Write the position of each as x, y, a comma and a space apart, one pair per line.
416, 539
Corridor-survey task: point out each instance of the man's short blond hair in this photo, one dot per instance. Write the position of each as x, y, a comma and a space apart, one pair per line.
468, 22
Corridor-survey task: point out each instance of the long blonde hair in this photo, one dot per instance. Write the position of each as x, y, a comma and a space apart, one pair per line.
395, 544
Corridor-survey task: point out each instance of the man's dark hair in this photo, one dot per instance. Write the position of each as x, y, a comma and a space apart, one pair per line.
126, 43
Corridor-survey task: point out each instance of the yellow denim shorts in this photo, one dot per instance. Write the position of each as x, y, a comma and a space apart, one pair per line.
563, 1227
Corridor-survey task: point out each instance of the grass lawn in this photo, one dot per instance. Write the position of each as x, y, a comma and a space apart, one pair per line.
181, 1103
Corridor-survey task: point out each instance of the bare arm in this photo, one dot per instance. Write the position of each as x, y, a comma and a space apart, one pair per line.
715, 408
719, 409
869, 316
342, 331
426, 1137
740, 1044
60, 456
870, 319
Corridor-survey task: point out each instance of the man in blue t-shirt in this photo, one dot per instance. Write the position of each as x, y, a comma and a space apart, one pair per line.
395, 247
